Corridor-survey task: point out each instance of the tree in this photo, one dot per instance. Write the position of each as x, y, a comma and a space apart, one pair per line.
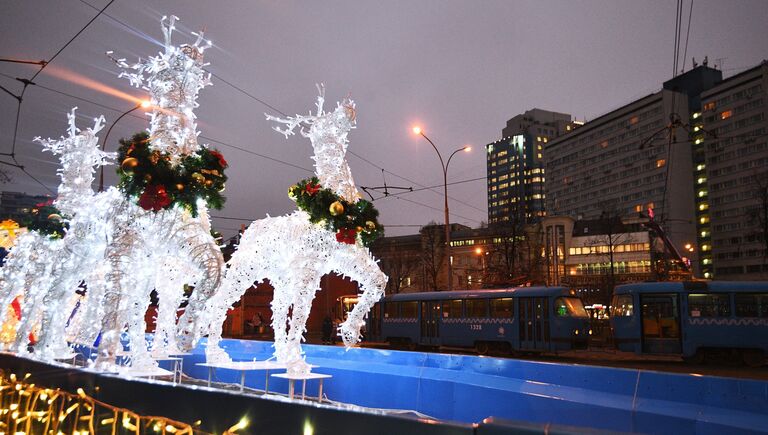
505, 256
432, 253
611, 233
400, 266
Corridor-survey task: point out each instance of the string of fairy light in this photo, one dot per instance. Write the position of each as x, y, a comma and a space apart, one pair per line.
27, 408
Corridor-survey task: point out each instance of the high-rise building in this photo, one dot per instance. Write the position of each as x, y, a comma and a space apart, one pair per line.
732, 176
515, 166
637, 159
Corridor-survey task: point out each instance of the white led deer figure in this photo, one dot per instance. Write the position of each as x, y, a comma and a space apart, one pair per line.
120, 250
294, 253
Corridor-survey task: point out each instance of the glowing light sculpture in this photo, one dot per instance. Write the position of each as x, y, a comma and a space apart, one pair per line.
118, 249
294, 253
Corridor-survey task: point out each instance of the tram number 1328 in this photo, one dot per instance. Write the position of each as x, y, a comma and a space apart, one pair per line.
475, 327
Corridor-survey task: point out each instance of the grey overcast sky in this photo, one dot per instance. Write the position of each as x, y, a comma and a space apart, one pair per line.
460, 69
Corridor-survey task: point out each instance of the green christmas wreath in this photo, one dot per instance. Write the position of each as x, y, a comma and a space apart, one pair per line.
347, 220
47, 220
150, 176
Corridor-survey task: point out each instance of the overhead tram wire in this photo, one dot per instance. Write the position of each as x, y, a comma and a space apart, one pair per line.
277, 110
30, 81
220, 142
204, 137
687, 35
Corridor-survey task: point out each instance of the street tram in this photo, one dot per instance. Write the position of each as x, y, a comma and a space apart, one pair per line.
535, 319
696, 320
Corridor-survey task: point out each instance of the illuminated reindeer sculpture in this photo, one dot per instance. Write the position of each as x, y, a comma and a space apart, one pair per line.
294, 253
121, 250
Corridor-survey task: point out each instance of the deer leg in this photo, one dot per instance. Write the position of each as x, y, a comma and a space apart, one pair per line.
121, 279
358, 264
207, 257
304, 286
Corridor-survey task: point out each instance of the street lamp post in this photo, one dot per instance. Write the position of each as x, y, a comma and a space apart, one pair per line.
444, 165
142, 104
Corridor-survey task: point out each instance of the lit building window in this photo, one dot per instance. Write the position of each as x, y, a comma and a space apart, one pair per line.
660, 163
700, 167
703, 206
634, 120
639, 208
704, 219
701, 180
726, 114
538, 155
710, 106
707, 275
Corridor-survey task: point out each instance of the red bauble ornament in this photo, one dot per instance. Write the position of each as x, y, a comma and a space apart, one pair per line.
218, 155
346, 235
312, 189
154, 198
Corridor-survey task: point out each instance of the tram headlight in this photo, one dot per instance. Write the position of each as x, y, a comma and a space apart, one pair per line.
590, 332
576, 332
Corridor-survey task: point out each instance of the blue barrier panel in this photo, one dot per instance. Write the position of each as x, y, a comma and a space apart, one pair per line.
469, 389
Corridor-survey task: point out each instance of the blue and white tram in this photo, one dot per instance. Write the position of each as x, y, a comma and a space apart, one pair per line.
543, 319
693, 319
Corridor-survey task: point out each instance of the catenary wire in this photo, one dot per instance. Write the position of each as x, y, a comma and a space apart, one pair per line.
277, 110
209, 139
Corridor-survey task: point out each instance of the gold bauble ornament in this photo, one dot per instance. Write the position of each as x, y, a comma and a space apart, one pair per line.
359, 229
208, 183
336, 208
147, 178
198, 177
54, 217
129, 164
370, 225
179, 187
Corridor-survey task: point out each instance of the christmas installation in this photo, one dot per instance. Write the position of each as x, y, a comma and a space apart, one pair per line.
329, 233
152, 232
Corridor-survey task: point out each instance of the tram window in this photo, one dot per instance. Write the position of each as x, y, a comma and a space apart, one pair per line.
477, 308
570, 307
501, 307
622, 306
390, 310
410, 309
452, 308
709, 305
752, 305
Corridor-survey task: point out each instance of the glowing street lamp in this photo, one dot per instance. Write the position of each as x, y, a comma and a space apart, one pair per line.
444, 164
143, 104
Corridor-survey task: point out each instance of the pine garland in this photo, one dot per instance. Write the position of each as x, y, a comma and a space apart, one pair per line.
47, 220
348, 220
150, 176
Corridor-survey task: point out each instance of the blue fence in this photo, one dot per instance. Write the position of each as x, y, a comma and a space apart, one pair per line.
469, 389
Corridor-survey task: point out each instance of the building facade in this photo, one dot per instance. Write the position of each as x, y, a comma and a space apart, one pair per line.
491, 257
593, 255
732, 177
637, 160
515, 166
